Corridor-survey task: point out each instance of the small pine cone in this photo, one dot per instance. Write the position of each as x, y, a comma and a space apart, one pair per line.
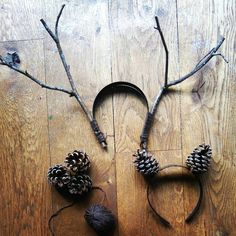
79, 184
58, 176
78, 161
145, 163
199, 160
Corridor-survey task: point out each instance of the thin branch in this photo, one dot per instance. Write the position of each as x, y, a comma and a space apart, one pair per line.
166, 50
25, 73
55, 39
66, 66
200, 64
54, 35
99, 135
57, 21
212, 53
223, 57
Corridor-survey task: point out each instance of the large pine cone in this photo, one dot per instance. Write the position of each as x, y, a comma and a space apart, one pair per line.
79, 184
78, 162
145, 163
58, 176
199, 160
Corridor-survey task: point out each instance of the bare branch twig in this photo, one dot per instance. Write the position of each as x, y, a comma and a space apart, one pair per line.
57, 21
165, 47
65, 65
200, 64
54, 35
25, 73
150, 115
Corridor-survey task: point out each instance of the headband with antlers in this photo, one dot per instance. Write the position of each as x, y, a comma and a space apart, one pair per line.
71, 179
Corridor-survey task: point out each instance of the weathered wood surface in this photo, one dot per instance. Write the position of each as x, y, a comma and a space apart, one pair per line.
107, 41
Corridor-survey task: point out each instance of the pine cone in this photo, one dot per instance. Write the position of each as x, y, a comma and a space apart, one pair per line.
79, 184
145, 163
199, 160
77, 162
58, 176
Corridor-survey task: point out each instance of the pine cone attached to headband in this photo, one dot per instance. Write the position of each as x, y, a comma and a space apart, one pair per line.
78, 161
199, 160
145, 163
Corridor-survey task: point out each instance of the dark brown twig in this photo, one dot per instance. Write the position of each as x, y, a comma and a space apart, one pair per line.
195, 209
25, 73
74, 92
162, 219
100, 136
200, 64
150, 116
165, 47
56, 39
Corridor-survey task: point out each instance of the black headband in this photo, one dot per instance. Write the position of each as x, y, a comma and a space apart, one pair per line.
197, 163
195, 209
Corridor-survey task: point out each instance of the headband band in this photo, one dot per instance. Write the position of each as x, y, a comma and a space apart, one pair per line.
195, 209
118, 87
197, 163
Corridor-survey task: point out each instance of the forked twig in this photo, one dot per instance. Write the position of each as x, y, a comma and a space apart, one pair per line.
150, 115
74, 92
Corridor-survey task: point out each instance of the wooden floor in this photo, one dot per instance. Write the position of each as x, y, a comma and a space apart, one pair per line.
107, 41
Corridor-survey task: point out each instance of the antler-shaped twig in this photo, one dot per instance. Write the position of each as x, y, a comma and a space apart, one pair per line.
73, 93
165, 87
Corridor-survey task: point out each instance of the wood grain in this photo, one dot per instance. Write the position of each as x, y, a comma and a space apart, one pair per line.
104, 42
20, 19
208, 116
25, 195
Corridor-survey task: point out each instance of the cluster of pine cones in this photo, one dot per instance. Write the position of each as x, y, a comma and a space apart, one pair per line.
198, 161
72, 177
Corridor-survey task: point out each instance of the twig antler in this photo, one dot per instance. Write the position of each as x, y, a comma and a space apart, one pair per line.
73, 93
165, 87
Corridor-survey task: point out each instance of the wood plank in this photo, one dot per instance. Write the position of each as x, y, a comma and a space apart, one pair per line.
209, 115
138, 57
20, 19
84, 31
25, 195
